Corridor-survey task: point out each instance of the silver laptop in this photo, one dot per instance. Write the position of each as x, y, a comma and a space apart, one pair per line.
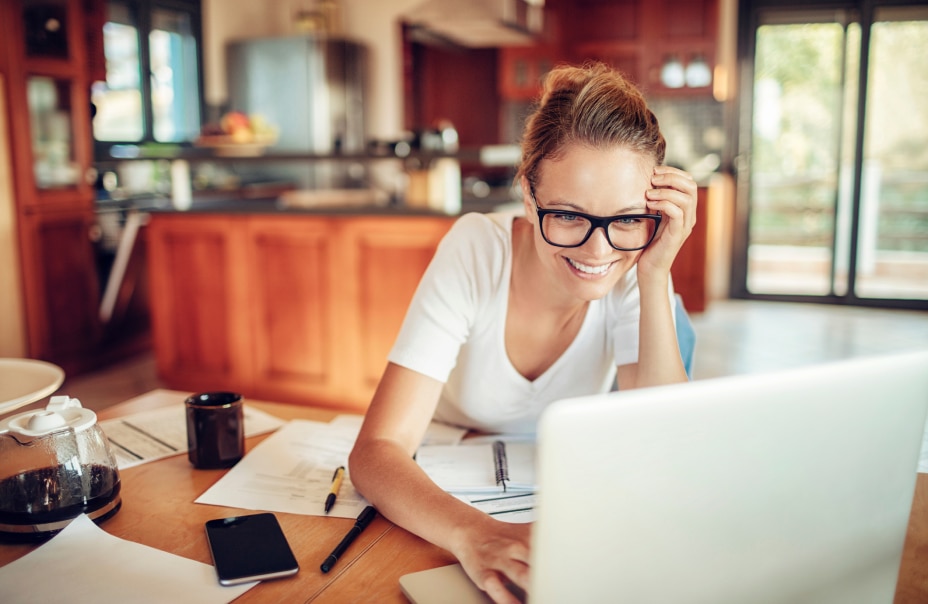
785, 487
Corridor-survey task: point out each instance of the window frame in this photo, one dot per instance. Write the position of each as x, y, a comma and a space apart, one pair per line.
141, 11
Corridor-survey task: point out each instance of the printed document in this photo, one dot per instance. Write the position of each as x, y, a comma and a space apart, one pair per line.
291, 470
150, 435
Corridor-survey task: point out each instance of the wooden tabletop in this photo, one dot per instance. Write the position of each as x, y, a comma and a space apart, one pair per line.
158, 510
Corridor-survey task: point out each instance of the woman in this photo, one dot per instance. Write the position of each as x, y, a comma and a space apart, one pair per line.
519, 310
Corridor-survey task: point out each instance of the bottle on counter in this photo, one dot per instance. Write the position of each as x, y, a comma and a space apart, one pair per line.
181, 190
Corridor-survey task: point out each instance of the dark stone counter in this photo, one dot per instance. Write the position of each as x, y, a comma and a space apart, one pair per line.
237, 205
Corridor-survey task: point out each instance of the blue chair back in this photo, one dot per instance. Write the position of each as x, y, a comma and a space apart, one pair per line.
686, 336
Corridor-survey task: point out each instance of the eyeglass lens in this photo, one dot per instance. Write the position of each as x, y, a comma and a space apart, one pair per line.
570, 229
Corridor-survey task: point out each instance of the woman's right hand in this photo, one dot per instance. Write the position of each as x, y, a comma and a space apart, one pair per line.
495, 554
382, 468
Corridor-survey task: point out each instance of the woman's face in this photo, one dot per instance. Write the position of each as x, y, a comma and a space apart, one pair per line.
601, 182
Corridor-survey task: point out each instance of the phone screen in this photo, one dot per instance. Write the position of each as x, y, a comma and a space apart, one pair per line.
249, 548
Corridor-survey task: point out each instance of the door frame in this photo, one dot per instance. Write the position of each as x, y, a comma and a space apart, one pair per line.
749, 18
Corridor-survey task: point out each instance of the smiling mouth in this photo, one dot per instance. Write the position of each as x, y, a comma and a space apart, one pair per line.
589, 270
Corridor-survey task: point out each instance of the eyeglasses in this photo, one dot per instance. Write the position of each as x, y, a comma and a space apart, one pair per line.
625, 232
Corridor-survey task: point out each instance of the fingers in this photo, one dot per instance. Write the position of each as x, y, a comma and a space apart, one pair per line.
674, 195
499, 560
497, 590
509, 566
673, 178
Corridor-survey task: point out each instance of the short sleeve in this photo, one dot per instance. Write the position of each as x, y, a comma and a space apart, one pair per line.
442, 312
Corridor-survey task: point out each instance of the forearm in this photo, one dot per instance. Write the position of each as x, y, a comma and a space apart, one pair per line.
393, 483
659, 360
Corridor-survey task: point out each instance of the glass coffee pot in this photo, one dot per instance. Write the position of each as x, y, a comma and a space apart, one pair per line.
55, 464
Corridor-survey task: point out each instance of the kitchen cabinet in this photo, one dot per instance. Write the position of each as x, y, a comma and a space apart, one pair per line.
61, 283
611, 32
301, 308
455, 85
682, 30
522, 70
637, 37
43, 56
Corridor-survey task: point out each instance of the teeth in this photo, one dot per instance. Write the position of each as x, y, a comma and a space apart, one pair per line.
590, 270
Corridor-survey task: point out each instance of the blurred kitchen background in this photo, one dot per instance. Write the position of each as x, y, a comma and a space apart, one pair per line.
804, 124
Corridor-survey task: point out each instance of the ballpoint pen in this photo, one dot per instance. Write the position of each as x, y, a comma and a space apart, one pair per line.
336, 484
364, 518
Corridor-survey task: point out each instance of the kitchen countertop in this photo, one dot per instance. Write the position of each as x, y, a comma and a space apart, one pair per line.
270, 205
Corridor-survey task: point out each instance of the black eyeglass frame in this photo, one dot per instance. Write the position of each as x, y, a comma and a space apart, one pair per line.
595, 223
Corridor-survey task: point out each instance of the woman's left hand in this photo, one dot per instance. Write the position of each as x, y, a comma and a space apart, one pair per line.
674, 196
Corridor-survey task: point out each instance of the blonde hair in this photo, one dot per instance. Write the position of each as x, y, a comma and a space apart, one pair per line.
590, 105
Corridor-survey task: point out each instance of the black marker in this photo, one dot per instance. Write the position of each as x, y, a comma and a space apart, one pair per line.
364, 518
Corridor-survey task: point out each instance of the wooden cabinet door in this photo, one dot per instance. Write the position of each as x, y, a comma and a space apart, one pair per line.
199, 302
61, 287
684, 30
609, 31
638, 37
522, 70
293, 305
387, 256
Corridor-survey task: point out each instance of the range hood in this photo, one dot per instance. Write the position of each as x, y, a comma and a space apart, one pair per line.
477, 23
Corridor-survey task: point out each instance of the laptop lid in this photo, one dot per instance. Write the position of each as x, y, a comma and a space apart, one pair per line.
792, 486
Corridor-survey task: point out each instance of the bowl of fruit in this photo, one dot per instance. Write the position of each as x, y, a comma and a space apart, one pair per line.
238, 135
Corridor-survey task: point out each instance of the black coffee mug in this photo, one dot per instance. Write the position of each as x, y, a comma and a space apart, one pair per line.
215, 429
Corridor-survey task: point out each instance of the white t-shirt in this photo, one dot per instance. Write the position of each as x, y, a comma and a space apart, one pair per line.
454, 332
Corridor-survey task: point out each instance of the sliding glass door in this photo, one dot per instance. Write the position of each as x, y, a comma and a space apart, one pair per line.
833, 168
892, 249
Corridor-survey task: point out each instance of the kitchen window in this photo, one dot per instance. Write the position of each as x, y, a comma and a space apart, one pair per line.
152, 92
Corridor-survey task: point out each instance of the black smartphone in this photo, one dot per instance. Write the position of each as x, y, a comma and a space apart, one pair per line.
249, 548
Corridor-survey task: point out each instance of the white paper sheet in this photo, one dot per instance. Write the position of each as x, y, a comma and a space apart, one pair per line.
150, 435
84, 563
291, 470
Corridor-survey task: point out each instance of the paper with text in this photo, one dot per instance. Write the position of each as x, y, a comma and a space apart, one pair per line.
291, 470
160, 433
